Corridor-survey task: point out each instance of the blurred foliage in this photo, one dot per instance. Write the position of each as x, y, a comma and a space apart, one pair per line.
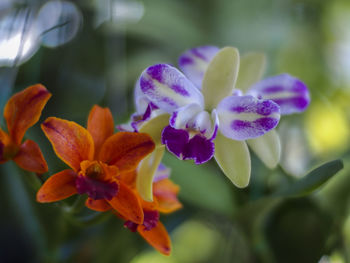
219, 223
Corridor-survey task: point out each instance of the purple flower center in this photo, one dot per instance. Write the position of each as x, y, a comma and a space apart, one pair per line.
92, 185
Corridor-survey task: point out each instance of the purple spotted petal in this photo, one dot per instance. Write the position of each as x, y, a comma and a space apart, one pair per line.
151, 218
290, 93
194, 62
168, 88
96, 189
199, 149
246, 117
175, 140
162, 172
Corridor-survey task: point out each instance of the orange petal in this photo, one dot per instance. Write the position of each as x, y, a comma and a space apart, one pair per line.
3, 142
126, 149
30, 158
100, 125
127, 203
129, 178
157, 237
59, 186
165, 192
23, 110
97, 205
72, 143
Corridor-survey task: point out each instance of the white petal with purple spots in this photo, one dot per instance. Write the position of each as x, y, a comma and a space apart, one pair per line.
290, 93
194, 62
168, 88
246, 117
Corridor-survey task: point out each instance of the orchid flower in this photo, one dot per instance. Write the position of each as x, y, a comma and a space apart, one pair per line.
97, 156
211, 113
21, 112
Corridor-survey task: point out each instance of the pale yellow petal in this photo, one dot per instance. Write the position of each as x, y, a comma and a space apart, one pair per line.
267, 148
146, 172
220, 76
234, 159
154, 127
251, 69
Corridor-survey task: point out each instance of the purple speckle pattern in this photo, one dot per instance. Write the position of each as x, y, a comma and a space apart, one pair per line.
96, 189
167, 88
246, 117
194, 62
151, 218
290, 93
150, 221
199, 148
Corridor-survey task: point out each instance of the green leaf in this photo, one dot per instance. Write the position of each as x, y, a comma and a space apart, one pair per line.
312, 180
202, 185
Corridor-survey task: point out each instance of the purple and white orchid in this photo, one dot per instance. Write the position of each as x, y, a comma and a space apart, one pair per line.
208, 113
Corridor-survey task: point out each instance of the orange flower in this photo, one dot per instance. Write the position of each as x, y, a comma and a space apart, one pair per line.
97, 157
165, 201
21, 112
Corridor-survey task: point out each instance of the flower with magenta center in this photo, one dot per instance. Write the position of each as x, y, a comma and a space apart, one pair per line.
97, 156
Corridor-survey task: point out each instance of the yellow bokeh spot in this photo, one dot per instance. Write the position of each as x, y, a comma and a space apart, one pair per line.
327, 129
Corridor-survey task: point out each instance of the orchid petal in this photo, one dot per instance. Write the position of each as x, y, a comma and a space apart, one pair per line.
100, 125
146, 172
246, 117
251, 69
30, 158
194, 62
140, 99
154, 127
267, 148
126, 149
127, 203
23, 110
175, 140
59, 186
200, 149
157, 237
97, 205
168, 88
220, 77
290, 93
166, 192
181, 117
71, 142
234, 159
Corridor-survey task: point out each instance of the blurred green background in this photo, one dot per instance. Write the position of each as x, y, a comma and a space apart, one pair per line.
94, 51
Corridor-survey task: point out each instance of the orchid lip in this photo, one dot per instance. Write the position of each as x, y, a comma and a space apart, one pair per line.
96, 189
